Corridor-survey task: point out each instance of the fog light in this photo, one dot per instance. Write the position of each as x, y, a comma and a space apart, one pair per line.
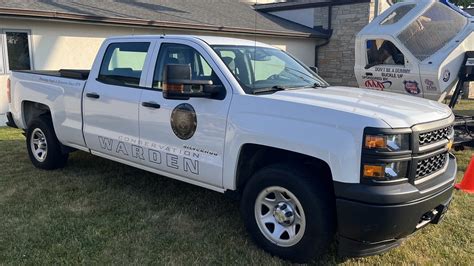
386, 171
374, 171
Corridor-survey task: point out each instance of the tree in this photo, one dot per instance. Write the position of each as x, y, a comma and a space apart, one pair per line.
463, 3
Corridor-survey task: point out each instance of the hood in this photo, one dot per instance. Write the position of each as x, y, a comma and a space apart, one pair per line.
398, 111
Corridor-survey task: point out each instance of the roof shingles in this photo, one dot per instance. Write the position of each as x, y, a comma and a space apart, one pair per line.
217, 14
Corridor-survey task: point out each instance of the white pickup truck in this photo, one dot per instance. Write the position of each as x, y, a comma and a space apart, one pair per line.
310, 163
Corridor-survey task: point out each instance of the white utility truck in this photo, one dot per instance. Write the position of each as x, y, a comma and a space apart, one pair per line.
420, 48
309, 162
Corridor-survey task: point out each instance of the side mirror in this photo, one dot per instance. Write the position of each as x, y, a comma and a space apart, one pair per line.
315, 69
179, 85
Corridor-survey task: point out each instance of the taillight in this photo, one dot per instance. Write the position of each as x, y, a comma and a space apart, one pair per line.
9, 91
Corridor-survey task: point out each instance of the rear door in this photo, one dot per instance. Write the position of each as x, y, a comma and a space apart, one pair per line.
184, 137
112, 96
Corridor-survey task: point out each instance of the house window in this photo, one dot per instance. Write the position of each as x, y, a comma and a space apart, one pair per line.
16, 51
2, 60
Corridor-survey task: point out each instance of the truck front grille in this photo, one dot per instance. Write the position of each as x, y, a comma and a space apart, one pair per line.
435, 135
429, 166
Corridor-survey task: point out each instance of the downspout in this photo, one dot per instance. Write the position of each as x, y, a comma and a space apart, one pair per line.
376, 8
318, 46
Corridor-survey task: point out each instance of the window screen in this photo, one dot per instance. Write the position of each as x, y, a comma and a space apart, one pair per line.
432, 30
171, 53
18, 50
123, 63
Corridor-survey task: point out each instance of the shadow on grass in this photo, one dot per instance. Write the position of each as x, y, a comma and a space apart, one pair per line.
171, 220
150, 187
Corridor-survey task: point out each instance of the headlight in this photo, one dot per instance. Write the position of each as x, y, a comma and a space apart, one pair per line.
387, 143
380, 172
386, 155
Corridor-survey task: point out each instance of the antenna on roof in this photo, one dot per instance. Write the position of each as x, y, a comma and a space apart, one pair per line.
160, 21
255, 46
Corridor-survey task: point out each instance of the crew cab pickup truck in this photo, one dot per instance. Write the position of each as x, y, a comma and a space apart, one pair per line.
309, 162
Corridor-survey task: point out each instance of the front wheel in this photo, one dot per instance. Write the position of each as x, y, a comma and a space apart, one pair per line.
289, 214
43, 146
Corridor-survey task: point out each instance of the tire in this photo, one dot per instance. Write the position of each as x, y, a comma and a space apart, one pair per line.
43, 146
308, 219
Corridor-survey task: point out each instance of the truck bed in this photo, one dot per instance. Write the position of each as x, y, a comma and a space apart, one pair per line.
80, 74
59, 91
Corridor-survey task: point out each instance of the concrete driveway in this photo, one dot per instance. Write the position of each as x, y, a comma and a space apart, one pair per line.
3, 120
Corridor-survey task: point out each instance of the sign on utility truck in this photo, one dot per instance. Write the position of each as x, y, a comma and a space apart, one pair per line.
309, 162
419, 48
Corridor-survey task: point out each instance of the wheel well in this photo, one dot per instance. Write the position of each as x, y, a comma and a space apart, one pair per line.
32, 110
254, 157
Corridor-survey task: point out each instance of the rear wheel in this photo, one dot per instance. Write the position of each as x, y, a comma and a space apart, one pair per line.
289, 214
43, 146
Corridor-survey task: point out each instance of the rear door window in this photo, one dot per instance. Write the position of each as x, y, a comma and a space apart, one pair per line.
123, 63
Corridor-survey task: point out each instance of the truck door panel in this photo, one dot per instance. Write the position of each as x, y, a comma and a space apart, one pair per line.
387, 68
184, 137
111, 101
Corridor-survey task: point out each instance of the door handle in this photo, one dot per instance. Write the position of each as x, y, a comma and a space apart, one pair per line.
151, 105
93, 95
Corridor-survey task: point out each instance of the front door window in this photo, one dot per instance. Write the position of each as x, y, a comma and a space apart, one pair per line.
383, 52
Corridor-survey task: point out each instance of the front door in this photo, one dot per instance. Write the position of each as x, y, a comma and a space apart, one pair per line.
390, 69
111, 101
184, 137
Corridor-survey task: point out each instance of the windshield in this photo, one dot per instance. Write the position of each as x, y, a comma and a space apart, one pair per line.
432, 30
258, 68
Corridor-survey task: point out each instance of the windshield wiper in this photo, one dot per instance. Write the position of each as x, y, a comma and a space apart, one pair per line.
317, 84
269, 89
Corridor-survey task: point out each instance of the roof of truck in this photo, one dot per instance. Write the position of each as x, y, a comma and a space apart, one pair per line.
211, 40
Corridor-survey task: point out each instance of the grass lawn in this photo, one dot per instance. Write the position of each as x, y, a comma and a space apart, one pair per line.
97, 211
465, 107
